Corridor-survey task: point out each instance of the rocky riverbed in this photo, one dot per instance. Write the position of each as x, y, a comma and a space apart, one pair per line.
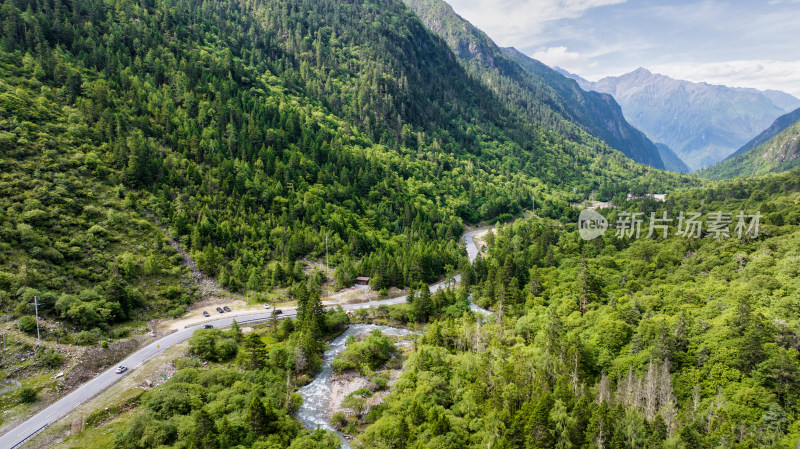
325, 394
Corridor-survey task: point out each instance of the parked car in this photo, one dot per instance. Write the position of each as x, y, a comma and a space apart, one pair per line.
226, 308
278, 311
205, 314
266, 306
219, 309
208, 326
121, 369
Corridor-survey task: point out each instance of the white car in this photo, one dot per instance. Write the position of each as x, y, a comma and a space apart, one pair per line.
266, 306
121, 369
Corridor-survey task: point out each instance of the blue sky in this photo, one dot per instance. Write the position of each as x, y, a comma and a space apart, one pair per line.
736, 43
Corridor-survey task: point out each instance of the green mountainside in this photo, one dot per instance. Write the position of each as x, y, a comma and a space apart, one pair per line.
533, 89
71, 234
254, 131
598, 113
775, 150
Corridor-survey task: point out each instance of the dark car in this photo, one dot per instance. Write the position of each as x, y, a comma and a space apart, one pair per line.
226, 308
219, 309
208, 326
205, 314
278, 311
121, 369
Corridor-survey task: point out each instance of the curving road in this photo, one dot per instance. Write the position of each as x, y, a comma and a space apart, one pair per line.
18, 435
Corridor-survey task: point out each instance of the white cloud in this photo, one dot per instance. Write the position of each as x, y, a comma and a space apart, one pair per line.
760, 74
558, 56
509, 22
596, 38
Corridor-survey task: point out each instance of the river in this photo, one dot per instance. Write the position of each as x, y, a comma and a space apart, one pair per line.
314, 413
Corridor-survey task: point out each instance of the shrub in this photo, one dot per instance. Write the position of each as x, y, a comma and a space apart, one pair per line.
225, 349
27, 324
51, 359
381, 381
336, 320
339, 420
186, 362
365, 356
121, 333
375, 413
363, 392
177, 311
172, 292
86, 338
98, 416
202, 343
26, 395
355, 403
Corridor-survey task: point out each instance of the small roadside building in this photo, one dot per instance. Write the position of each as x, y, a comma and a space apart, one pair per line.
362, 280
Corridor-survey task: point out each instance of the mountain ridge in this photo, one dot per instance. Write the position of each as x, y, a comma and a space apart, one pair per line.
524, 81
702, 123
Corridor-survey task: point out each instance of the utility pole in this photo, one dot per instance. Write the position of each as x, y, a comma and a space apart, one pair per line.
36, 307
5, 331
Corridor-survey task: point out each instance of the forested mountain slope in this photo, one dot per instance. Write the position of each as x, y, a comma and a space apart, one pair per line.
254, 130
780, 124
777, 153
599, 113
533, 89
70, 233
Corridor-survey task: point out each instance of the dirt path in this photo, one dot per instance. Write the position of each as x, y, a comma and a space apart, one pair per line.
207, 286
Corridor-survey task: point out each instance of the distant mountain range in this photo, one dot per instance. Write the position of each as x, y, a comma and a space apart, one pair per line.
702, 123
528, 83
776, 149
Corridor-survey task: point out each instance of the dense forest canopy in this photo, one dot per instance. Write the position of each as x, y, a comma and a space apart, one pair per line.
618, 342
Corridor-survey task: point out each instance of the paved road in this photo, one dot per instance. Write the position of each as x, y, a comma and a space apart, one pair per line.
101, 382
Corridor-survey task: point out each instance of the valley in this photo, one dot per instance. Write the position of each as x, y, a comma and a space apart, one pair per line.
330, 224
